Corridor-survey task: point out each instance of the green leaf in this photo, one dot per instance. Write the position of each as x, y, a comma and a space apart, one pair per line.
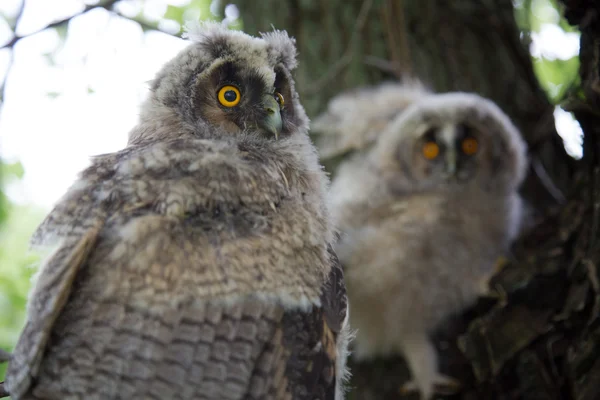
174, 13
556, 76
205, 13
53, 95
13, 170
62, 31
523, 15
3, 208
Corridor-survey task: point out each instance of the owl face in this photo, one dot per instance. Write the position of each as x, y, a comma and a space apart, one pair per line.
230, 81
448, 154
449, 141
237, 98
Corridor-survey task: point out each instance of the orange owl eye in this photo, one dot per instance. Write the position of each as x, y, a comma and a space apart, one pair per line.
469, 146
280, 99
229, 96
431, 150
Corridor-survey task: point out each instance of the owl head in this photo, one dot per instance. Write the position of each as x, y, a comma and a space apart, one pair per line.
449, 141
225, 83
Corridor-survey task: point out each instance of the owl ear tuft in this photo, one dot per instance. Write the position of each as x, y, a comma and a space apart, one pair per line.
282, 47
200, 31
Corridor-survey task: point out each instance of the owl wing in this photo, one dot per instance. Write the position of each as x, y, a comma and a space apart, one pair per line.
318, 341
94, 346
50, 295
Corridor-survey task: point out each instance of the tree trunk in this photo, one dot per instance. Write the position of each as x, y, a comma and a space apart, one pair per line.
540, 338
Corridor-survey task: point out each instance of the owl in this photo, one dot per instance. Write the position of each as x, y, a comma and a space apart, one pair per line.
196, 263
424, 213
354, 119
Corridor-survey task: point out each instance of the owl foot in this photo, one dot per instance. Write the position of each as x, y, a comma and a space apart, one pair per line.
421, 358
442, 384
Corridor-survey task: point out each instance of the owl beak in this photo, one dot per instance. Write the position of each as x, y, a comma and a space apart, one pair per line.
272, 121
451, 163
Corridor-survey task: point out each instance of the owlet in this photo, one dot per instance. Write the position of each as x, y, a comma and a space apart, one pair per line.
196, 263
424, 214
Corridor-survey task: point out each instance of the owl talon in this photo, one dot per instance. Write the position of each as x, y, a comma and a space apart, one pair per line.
447, 385
408, 387
444, 385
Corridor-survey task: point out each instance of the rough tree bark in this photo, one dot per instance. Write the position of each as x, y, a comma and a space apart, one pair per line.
540, 337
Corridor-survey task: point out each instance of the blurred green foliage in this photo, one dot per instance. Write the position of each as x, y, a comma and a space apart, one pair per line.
556, 75
17, 223
8, 172
193, 10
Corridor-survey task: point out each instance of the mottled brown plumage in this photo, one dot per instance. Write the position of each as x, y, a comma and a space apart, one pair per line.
196, 263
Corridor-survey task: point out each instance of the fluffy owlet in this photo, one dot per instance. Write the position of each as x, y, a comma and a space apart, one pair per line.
424, 214
196, 263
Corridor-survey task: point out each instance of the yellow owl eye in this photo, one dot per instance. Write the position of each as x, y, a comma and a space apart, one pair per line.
229, 96
431, 150
280, 99
469, 146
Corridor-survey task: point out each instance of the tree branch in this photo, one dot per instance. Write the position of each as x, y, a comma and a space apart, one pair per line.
11, 57
108, 6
